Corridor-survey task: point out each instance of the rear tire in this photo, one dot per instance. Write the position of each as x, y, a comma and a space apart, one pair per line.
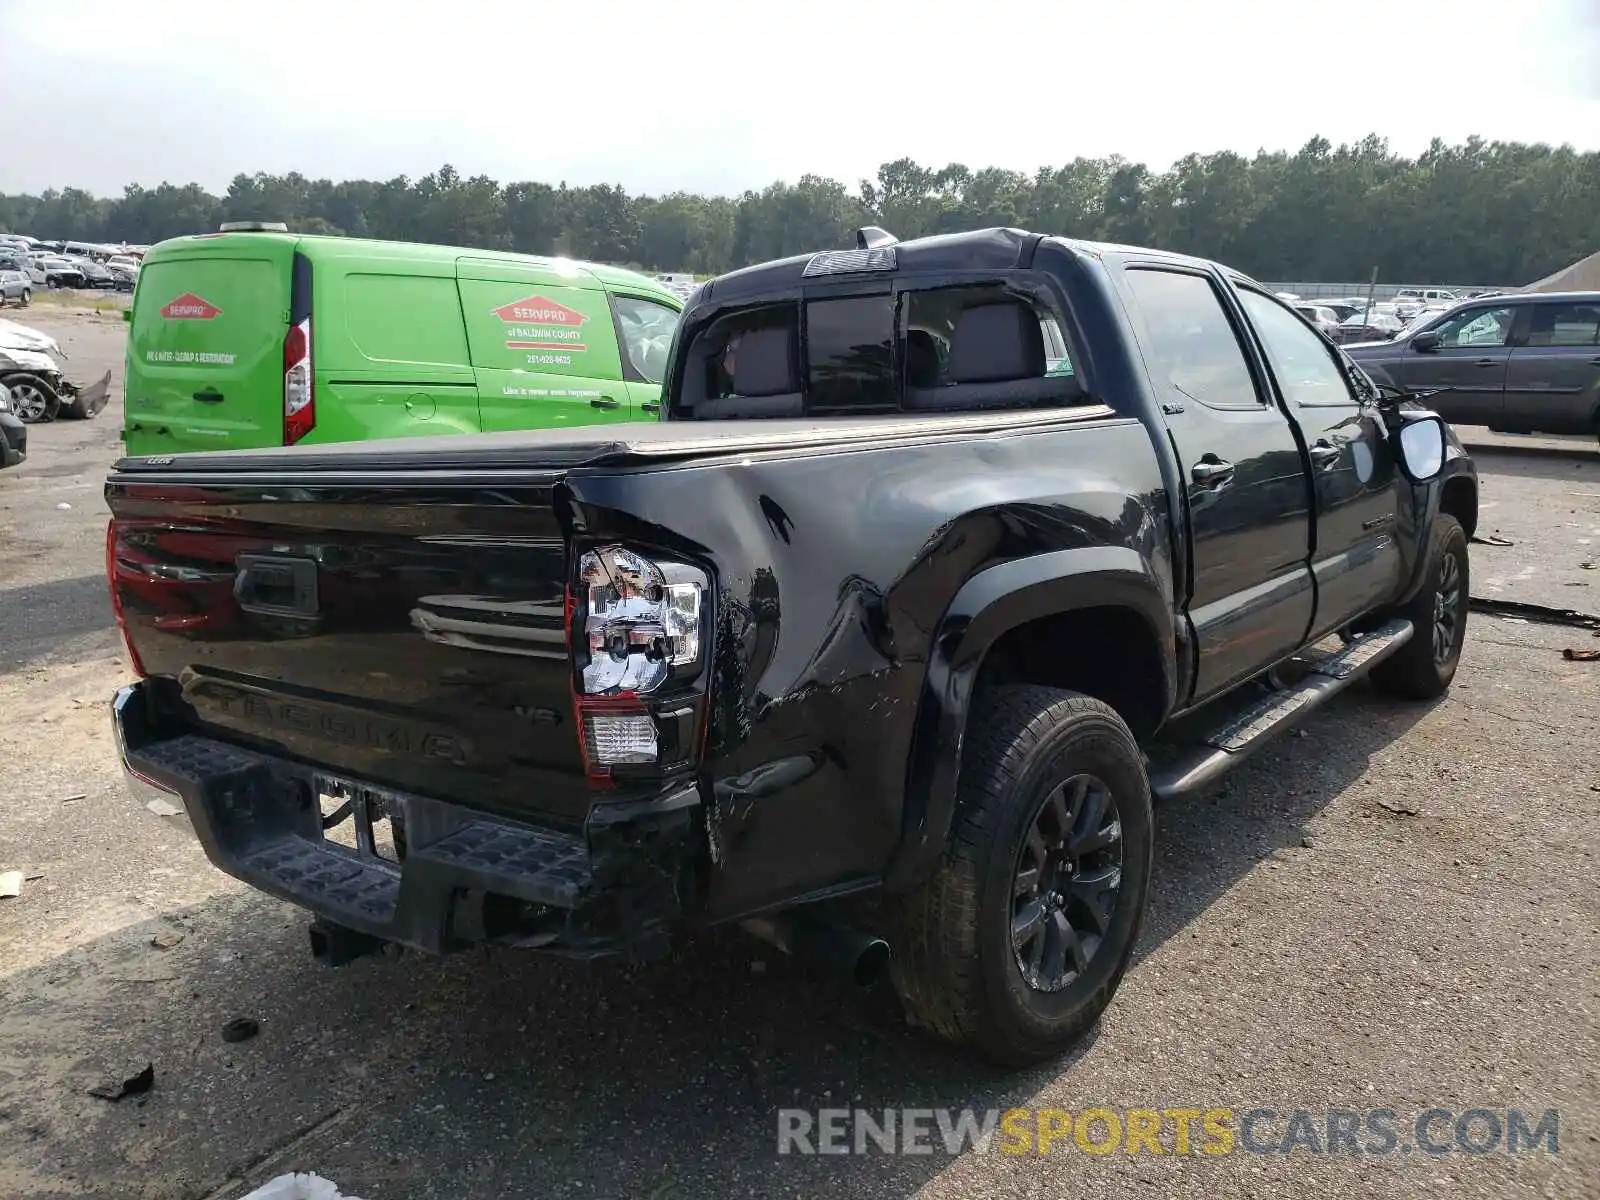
1424, 667
1051, 843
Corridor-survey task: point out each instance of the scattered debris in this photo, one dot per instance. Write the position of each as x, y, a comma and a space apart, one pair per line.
79, 796
134, 1085
240, 1029
1491, 539
1514, 609
1572, 655
1400, 808
166, 939
63, 506
298, 1186
1307, 844
1586, 566
163, 808
10, 884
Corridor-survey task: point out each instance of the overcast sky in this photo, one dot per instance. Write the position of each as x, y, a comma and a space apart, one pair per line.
716, 96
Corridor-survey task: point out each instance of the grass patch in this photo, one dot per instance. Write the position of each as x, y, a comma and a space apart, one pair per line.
97, 302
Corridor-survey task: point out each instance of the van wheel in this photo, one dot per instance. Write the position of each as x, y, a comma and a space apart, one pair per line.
1018, 941
1424, 666
27, 298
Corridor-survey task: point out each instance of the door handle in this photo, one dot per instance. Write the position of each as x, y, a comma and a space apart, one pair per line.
1594, 362
1488, 362
1324, 454
1211, 471
209, 396
650, 408
604, 402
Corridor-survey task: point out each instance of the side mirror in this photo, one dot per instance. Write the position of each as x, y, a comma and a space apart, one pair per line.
127, 316
1421, 446
1427, 342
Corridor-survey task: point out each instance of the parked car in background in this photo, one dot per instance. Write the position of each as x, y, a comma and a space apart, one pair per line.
410, 340
1369, 327
1343, 309
125, 273
58, 271
15, 286
1324, 318
1521, 363
94, 275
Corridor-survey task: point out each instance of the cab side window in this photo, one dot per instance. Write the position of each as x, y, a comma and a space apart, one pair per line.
1190, 346
1306, 373
1477, 327
645, 328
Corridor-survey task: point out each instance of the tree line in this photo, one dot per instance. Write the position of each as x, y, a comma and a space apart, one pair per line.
1477, 212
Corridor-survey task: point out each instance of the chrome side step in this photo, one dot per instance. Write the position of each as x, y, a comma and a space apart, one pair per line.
1229, 744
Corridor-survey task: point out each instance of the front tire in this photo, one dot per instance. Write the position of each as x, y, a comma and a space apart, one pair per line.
1425, 666
1017, 942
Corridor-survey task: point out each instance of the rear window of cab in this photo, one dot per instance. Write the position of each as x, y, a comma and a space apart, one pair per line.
953, 348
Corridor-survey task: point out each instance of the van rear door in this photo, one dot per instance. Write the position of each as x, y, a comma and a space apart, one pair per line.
543, 345
205, 347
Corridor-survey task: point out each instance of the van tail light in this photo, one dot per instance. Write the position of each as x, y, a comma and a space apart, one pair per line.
639, 633
299, 395
116, 599
299, 383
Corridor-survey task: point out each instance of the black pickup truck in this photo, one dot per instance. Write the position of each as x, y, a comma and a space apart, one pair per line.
931, 541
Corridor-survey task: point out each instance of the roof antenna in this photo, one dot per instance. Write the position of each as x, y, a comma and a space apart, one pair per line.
870, 237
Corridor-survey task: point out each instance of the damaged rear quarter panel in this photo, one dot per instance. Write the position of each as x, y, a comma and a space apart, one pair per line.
833, 571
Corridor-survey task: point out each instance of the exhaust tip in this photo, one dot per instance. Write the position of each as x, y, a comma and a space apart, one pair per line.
871, 963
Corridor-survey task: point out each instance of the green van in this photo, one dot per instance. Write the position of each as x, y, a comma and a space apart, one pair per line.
258, 337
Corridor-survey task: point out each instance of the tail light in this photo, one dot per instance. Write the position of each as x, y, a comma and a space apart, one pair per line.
116, 599
299, 396
639, 633
299, 383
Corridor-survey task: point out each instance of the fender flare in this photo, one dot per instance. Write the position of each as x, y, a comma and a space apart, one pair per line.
990, 604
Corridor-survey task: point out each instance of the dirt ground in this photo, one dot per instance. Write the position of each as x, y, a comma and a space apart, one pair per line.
1395, 908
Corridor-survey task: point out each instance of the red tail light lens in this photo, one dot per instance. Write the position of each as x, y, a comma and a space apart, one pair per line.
299, 396
116, 599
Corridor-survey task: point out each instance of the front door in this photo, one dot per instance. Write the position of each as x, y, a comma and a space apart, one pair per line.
1251, 597
1355, 558
544, 347
1468, 366
1553, 380
645, 325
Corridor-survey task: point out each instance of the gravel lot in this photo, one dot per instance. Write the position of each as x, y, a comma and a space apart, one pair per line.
1395, 908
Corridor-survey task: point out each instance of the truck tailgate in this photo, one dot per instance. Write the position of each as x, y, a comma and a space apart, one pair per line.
407, 633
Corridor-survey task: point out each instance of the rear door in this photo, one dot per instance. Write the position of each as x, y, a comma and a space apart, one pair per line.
1553, 379
644, 326
1468, 367
544, 346
1251, 595
205, 349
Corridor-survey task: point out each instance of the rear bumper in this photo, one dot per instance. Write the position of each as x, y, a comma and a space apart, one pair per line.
466, 877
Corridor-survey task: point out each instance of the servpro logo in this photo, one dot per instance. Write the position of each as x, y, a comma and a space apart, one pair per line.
189, 307
540, 323
539, 310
